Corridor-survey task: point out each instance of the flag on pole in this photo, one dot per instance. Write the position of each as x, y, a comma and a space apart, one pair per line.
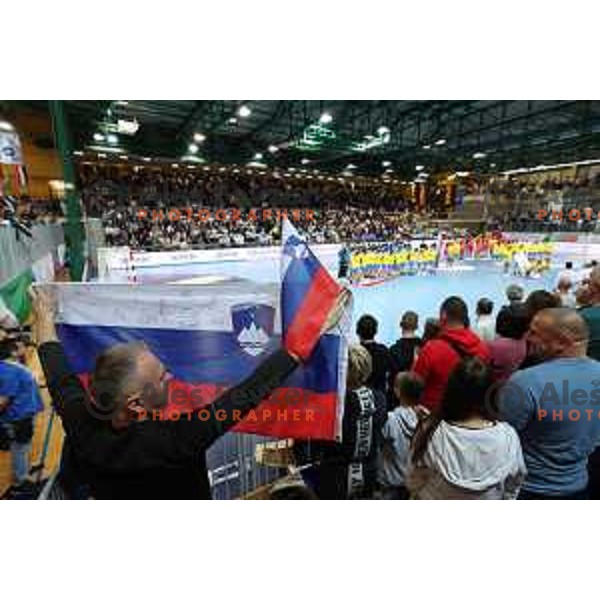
308, 293
15, 304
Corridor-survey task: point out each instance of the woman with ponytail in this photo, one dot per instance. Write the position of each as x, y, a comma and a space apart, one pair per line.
461, 451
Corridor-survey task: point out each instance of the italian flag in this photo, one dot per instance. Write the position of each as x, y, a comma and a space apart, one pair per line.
15, 304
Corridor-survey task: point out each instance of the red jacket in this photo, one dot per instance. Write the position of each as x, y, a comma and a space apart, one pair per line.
438, 358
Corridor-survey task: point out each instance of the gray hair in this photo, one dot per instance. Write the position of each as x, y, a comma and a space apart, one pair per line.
515, 293
114, 372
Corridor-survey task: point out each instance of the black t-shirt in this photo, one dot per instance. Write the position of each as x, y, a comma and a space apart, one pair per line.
380, 356
402, 355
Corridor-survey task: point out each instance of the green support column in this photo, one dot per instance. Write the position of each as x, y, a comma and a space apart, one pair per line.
74, 229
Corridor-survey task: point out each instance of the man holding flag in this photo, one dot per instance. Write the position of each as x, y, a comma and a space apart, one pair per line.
112, 441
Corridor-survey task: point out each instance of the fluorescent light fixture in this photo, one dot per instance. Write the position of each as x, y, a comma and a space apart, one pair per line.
440, 142
427, 147
109, 149
350, 166
386, 163
232, 121
479, 155
193, 148
305, 161
258, 156
98, 137
579, 163
199, 137
127, 127
273, 149
325, 118
419, 167
244, 111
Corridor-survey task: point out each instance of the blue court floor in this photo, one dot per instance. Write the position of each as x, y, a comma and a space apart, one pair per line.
386, 301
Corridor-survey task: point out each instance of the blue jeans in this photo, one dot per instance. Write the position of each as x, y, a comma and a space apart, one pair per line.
19, 433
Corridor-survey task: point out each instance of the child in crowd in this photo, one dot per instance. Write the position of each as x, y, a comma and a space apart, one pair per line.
397, 435
462, 451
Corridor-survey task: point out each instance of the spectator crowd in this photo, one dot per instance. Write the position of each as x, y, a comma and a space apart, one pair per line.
474, 409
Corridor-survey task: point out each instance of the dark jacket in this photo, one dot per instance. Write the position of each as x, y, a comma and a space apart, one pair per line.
149, 459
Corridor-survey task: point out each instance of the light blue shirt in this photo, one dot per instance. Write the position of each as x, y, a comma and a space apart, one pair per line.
555, 407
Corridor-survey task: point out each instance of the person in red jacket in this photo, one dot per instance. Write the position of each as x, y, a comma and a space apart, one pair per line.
439, 356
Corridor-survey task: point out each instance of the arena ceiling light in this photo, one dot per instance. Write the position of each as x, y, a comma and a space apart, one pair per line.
244, 111
199, 138
232, 121
440, 142
193, 148
127, 127
427, 147
325, 118
273, 148
98, 137
493, 165
146, 159
386, 163
111, 138
579, 163
78, 153
383, 130
479, 155
258, 156
350, 166
305, 161
419, 167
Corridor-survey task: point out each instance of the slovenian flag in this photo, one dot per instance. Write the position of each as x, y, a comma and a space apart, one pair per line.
212, 336
308, 293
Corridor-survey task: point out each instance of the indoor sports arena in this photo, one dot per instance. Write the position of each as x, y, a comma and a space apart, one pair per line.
299, 299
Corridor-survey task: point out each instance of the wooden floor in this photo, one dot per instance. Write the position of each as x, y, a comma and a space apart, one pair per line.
41, 424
